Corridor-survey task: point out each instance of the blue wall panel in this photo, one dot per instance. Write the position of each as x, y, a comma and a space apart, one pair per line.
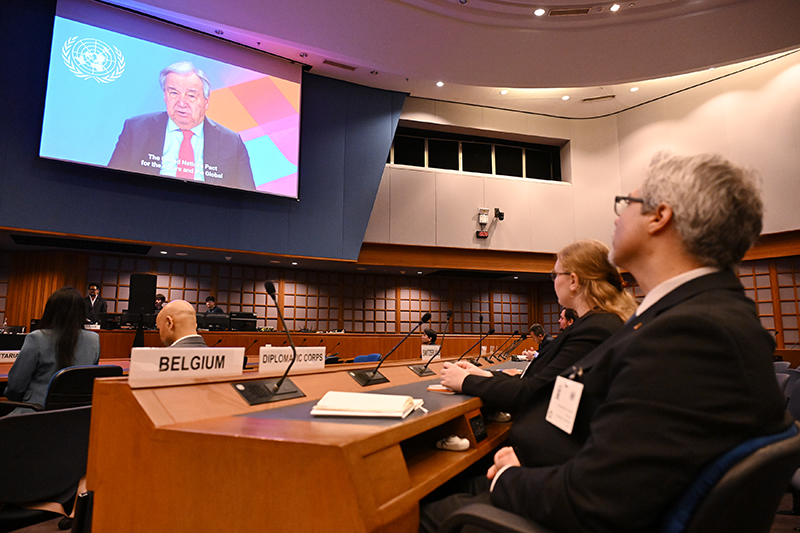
346, 133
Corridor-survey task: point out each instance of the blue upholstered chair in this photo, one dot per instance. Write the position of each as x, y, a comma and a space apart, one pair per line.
739, 491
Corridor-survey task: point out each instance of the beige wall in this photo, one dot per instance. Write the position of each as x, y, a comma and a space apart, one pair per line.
752, 117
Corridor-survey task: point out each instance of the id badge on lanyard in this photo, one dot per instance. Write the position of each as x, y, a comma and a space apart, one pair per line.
564, 401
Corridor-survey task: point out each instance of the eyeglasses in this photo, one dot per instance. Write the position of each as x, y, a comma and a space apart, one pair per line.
554, 274
621, 203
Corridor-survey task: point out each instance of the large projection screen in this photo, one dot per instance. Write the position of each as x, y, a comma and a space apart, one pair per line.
105, 105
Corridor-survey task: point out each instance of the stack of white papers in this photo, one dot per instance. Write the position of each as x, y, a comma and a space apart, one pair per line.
365, 404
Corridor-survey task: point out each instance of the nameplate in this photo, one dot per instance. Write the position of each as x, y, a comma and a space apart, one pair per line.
272, 361
8, 356
429, 349
175, 366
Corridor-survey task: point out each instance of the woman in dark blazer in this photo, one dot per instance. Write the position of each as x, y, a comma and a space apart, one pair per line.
584, 280
59, 342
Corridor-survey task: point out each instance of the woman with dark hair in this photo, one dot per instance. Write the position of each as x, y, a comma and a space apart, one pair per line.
59, 342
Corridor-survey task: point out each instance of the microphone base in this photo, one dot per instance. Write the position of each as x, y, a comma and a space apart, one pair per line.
258, 392
365, 377
476, 361
421, 371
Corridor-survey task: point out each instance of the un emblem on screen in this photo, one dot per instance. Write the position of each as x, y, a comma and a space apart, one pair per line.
92, 58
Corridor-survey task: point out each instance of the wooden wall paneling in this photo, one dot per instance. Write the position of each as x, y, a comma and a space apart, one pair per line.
776, 303
33, 276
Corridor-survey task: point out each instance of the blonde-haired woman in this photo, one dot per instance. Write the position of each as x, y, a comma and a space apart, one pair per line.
584, 280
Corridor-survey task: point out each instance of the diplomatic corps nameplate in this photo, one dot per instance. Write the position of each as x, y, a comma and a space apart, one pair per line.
273, 361
151, 366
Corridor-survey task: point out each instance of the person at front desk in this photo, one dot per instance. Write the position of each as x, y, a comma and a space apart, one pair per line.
211, 305
177, 325
95, 304
160, 301
428, 336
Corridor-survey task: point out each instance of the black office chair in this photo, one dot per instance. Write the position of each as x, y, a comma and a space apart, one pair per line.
43, 457
69, 387
739, 491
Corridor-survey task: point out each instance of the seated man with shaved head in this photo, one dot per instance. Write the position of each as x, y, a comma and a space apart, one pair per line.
177, 325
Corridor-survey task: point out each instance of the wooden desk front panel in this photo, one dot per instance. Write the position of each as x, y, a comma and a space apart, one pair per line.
177, 471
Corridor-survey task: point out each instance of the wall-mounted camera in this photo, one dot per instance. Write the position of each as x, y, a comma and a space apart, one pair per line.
499, 214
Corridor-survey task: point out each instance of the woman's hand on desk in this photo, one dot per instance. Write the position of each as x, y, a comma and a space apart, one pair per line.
505, 457
472, 369
453, 374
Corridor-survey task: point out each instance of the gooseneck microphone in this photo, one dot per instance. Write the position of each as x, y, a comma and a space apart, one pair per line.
365, 377
513, 347
333, 354
490, 332
423, 370
271, 390
497, 351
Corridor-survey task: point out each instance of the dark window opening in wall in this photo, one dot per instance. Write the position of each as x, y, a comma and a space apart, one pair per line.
477, 157
539, 165
409, 151
443, 154
484, 155
508, 161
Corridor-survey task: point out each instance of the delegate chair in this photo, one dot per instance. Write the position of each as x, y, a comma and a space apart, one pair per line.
367, 358
781, 366
783, 380
42, 459
794, 376
739, 491
69, 387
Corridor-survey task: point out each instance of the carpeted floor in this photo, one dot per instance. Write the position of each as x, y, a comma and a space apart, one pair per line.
782, 523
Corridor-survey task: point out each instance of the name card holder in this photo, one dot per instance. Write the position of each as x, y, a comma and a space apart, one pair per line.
272, 361
176, 366
8, 356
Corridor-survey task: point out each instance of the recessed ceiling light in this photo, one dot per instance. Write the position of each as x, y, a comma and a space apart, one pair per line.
539, 12
440, 84
516, 277
275, 262
634, 89
419, 272
294, 263
615, 7
163, 252
565, 97
504, 91
182, 254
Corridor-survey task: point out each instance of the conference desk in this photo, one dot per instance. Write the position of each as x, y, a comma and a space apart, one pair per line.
199, 458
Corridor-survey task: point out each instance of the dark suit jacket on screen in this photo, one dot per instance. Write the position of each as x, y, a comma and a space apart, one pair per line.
93, 311
675, 388
222, 148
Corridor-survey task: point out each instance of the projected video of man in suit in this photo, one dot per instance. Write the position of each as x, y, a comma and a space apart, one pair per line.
182, 142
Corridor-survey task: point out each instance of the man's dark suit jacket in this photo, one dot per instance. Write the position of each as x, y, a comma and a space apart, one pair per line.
546, 341
675, 388
188, 342
528, 397
93, 311
222, 148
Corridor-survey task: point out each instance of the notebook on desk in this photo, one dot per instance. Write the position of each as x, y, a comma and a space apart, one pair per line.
365, 404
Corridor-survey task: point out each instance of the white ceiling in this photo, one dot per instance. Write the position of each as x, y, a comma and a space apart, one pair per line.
479, 47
